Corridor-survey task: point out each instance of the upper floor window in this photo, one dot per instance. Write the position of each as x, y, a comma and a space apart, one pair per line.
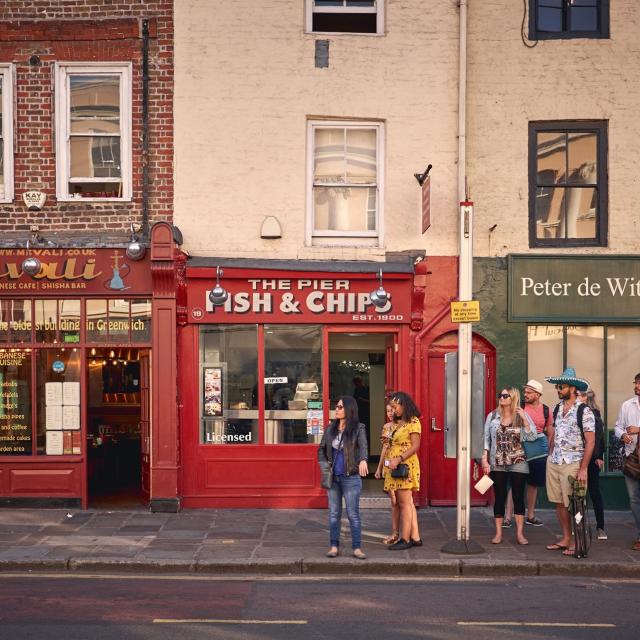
550, 19
345, 180
345, 16
568, 183
93, 125
6, 134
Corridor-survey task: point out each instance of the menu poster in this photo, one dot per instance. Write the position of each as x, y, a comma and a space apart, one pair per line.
55, 445
53, 394
70, 417
75, 442
212, 391
71, 393
315, 418
67, 443
53, 418
15, 402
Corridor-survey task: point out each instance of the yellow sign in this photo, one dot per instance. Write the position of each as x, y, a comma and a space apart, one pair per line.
465, 311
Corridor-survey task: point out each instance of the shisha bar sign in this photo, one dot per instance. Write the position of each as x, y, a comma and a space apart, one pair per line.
307, 300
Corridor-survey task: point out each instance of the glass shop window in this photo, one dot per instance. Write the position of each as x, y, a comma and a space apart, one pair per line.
119, 321
57, 321
293, 383
15, 402
229, 385
15, 321
58, 401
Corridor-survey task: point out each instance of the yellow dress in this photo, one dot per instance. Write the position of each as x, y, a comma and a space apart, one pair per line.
401, 442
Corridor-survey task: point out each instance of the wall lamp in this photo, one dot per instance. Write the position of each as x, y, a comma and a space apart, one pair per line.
31, 265
218, 296
379, 297
135, 249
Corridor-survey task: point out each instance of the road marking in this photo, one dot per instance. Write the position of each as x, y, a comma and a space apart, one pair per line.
537, 624
222, 621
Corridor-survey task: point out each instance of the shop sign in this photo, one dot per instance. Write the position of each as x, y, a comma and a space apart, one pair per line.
74, 270
322, 298
573, 289
57, 366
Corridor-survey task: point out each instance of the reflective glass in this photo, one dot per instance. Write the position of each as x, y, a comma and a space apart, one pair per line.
344, 208
15, 321
329, 155
550, 207
582, 154
15, 402
544, 355
549, 19
361, 165
94, 103
96, 321
293, 379
582, 18
69, 321
119, 323
95, 157
551, 156
140, 320
46, 316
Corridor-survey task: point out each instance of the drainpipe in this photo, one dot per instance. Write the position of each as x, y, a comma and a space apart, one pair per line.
145, 129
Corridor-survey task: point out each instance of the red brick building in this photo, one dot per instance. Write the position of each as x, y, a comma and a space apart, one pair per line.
86, 160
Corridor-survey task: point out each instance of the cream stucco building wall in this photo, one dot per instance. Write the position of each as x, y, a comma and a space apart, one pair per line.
511, 84
245, 86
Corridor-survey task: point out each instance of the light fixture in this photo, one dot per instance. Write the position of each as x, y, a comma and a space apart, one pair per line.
218, 296
31, 265
379, 297
135, 249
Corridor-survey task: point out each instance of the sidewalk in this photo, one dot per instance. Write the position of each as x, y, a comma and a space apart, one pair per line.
289, 542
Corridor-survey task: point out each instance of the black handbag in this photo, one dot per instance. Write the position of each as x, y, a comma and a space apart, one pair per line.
631, 467
326, 470
401, 471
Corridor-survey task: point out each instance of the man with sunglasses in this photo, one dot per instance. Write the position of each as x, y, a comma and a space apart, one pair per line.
571, 443
627, 430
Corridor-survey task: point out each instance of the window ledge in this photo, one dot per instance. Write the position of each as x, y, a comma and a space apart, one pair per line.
78, 200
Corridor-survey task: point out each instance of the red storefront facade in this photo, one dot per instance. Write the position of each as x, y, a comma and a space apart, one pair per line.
258, 377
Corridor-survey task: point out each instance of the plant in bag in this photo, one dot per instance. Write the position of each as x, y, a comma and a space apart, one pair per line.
578, 510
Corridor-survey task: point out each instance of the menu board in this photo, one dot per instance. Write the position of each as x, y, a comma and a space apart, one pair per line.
55, 443
15, 402
62, 411
212, 391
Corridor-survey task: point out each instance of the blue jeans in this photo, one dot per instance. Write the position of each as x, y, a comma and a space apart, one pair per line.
633, 489
349, 487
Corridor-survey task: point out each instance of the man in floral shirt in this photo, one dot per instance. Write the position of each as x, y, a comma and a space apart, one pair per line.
570, 449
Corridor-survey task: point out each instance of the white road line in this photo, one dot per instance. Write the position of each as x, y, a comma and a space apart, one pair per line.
222, 621
537, 624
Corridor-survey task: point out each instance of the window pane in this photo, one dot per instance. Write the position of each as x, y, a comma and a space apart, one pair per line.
583, 18
15, 321
551, 156
550, 207
623, 356
582, 158
344, 208
46, 312
549, 19
229, 385
69, 321
341, 22
119, 325
585, 353
581, 213
95, 189
329, 155
15, 402
96, 321
544, 355
58, 403
141, 321
94, 103
293, 361
361, 156
95, 157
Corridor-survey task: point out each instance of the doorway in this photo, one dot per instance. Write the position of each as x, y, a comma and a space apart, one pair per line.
361, 365
116, 400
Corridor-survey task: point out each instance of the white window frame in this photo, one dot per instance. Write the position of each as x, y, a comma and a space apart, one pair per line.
361, 238
378, 9
7, 74
62, 71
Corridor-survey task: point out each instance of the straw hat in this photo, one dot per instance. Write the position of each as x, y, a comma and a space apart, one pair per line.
568, 376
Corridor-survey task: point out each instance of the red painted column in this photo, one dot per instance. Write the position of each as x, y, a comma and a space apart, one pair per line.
165, 460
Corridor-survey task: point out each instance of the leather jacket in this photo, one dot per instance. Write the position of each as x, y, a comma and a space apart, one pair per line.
354, 452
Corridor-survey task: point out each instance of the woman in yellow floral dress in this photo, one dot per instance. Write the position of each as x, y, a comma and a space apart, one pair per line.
404, 444
382, 471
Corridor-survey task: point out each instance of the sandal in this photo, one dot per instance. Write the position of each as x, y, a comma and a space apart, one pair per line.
392, 539
569, 552
554, 546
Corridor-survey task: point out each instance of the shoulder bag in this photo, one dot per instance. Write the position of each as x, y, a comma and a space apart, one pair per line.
326, 479
631, 467
402, 470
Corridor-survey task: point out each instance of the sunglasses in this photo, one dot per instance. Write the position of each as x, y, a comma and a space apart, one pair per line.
561, 386
339, 406
504, 396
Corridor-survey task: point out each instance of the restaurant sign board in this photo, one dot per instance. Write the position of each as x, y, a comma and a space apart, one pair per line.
544, 288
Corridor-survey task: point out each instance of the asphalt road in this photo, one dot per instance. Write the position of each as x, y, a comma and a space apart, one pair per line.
203, 608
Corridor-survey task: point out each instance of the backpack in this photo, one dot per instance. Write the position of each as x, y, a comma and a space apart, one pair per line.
598, 449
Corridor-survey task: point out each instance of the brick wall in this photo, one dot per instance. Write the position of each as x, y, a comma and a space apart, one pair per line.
85, 31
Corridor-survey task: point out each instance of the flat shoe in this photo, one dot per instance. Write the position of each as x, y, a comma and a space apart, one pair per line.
401, 545
556, 547
522, 543
417, 543
494, 541
361, 555
331, 554
506, 523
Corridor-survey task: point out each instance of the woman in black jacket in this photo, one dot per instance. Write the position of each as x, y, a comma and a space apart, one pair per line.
596, 463
344, 450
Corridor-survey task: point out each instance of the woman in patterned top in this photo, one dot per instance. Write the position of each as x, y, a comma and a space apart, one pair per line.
404, 444
382, 471
504, 457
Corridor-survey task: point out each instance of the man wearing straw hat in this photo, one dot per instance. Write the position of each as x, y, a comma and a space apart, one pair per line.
571, 443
